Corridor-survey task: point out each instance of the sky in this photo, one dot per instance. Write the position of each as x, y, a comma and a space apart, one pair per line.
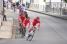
54, 0
15, 0
28, 1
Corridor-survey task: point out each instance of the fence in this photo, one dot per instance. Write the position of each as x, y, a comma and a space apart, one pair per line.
56, 7
37, 7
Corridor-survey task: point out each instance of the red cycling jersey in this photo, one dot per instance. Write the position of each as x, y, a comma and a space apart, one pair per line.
26, 22
21, 18
35, 22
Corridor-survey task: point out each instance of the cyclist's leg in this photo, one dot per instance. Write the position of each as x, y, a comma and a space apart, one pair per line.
20, 27
24, 31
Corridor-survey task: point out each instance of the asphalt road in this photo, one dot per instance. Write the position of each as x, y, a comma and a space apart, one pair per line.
52, 31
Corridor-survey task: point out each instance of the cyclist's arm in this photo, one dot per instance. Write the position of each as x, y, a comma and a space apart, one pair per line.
19, 19
38, 25
24, 23
29, 25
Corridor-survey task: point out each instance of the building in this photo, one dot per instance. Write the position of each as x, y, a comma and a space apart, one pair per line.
38, 5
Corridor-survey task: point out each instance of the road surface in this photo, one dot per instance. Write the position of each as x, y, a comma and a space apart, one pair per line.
52, 31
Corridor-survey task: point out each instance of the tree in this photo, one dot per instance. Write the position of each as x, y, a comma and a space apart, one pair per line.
65, 1
44, 0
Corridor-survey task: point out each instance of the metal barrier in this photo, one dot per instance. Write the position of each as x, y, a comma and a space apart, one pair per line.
56, 7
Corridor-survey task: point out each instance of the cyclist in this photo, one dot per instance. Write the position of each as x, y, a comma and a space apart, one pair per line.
35, 25
36, 22
21, 8
26, 15
26, 24
21, 18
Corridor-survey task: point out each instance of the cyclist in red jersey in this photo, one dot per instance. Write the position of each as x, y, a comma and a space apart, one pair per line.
36, 21
21, 18
35, 24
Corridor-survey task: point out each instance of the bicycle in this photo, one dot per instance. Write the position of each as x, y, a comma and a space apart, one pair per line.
30, 35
